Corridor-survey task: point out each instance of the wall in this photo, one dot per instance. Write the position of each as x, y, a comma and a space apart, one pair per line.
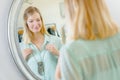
114, 6
8, 69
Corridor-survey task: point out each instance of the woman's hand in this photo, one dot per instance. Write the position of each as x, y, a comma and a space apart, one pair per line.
27, 52
52, 49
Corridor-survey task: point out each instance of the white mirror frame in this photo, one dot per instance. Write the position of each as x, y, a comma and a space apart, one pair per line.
13, 40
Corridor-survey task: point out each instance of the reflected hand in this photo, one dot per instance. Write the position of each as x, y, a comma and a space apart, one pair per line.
27, 52
52, 49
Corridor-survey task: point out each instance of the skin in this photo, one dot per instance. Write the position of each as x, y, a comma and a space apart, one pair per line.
34, 23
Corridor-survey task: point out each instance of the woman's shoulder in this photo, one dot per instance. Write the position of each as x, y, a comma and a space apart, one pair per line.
73, 43
93, 45
53, 39
74, 46
24, 45
73, 49
116, 36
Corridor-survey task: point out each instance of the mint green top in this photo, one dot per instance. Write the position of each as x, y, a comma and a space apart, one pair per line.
91, 60
49, 60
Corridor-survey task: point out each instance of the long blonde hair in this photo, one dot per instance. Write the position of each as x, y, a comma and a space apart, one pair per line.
28, 35
89, 19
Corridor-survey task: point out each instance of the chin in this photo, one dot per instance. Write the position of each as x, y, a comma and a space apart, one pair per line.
36, 31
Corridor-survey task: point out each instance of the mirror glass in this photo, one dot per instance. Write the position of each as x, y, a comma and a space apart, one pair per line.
52, 12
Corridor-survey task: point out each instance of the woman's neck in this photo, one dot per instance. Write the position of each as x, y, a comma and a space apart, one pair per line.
38, 36
38, 40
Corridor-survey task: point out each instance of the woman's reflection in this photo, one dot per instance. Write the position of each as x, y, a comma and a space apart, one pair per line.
39, 49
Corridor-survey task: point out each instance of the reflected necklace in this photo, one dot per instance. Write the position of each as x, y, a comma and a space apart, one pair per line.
40, 63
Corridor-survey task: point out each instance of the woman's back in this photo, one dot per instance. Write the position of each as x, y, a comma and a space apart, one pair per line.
91, 59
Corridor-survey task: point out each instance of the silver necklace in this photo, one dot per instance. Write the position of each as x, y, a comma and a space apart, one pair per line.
41, 63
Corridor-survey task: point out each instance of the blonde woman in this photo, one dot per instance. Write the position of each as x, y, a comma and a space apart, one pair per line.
92, 49
39, 49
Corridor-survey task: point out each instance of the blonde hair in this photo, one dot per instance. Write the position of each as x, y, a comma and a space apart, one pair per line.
89, 19
28, 35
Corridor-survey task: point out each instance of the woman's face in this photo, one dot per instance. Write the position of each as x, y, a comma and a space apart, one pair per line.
34, 23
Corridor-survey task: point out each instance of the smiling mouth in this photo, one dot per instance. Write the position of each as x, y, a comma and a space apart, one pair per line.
36, 28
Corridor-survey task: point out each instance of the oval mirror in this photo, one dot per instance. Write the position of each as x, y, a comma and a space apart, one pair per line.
52, 12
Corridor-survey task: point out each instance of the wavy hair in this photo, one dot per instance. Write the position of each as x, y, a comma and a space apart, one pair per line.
89, 19
28, 35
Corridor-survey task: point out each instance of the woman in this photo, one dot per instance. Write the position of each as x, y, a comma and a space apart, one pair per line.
39, 49
92, 50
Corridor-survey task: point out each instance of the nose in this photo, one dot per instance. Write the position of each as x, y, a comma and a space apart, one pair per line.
35, 23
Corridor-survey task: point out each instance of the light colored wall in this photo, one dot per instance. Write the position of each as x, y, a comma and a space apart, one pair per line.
8, 69
114, 6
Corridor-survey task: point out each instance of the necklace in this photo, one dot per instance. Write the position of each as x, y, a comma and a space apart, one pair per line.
40, 63
38, 43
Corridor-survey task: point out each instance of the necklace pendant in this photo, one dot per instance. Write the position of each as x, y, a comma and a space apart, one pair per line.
40, 67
